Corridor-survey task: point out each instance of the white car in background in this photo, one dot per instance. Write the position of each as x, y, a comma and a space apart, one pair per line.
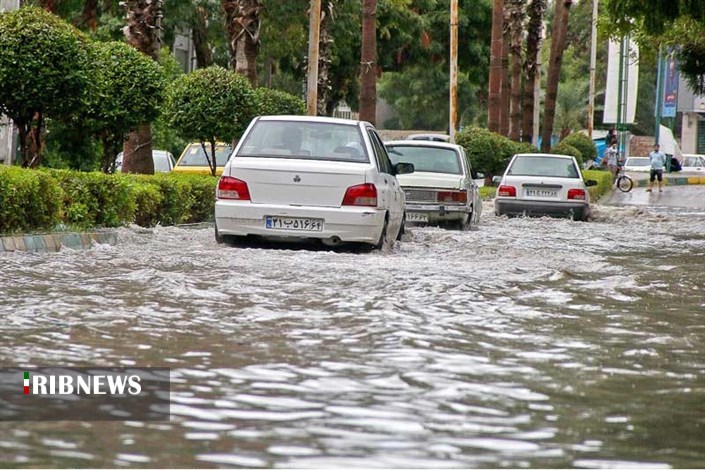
693, 162
163, 161
638, 164
442, 188
537, 184
301, 177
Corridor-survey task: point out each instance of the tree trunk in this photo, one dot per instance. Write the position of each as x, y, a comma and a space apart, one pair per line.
34, 142
199, 33
368, 69
242, 20
89, 15
143, 32
537, 8
494, 110
324, 57
49, 5
137, 151
560, 27
506, 88
516, 15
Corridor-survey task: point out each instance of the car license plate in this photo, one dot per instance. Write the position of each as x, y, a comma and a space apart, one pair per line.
535, 192
293, 223
416, 217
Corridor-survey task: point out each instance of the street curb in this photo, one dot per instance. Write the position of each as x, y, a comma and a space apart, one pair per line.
55, 241
673, 181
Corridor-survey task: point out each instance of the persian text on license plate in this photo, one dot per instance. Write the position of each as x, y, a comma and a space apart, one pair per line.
416, 217
293, 223
541, 192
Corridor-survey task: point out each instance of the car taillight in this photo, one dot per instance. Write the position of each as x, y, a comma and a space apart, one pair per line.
361, 195
458, 197
233, 188
576, 194
507, 191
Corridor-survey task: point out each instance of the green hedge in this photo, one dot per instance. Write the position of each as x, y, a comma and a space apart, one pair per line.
566, 149
38, 200
583, 144
490, 152
604, 182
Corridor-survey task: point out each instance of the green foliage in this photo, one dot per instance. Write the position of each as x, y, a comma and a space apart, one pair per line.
488, 152
33, 200
95, 199
604, 182
42, 65
565, 149
211, 104
29, 200
583, 144
275, 102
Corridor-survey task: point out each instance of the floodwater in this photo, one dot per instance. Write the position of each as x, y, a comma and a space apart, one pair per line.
524, 343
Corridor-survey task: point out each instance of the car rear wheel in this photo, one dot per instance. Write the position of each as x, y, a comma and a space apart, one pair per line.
225, 239
383, 237
400, 233
460, 224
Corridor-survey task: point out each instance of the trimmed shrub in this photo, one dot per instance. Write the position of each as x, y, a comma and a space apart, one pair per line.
604, 182
483, 149
583, 143
276, 102
29, 200
564, 149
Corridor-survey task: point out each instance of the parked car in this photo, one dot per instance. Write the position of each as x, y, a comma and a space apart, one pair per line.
310, 177
693, 162
442, 188
543, 185
193, 159
429, 136
639, 164
163, 161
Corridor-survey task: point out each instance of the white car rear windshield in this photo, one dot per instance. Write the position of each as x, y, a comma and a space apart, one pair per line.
428, 159
194, 155
692, 161
543, 166
304, 140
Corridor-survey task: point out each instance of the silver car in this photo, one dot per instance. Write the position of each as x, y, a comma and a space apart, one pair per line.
163, 161
442, 189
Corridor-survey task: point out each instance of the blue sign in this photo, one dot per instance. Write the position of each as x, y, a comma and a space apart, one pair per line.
670, 85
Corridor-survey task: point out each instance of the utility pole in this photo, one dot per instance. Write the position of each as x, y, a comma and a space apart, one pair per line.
314, 36
494, 111
593, 60
659, 97
453, 118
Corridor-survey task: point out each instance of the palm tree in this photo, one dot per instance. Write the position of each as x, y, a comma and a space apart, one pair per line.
242, 19
368, 72
324, 56
516, 30
494, 103
143, 32
536, 10
560, 27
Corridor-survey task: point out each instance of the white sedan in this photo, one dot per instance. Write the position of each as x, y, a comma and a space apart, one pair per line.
442, 188
543, 185
693, 162
639, 164
301, 177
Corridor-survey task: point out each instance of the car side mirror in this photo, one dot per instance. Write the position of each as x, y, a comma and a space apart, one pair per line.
496, 179
402, 168
589, 183
479, 176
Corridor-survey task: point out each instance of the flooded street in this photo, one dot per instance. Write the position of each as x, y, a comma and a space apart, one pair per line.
525, 343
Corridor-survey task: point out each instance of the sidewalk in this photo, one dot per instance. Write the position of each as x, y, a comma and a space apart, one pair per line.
670, 179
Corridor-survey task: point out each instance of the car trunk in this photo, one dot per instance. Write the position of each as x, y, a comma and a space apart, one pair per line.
537, 188
423, 186
298, 182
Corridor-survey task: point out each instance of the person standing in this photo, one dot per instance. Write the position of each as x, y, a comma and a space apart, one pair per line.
612, 159
658, 160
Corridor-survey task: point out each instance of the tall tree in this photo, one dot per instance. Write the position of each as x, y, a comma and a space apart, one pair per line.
506, 84
560, 27
243, 21
325, 51
516, 32
368, 71
199, 34
536, 10
495, 100
143, 31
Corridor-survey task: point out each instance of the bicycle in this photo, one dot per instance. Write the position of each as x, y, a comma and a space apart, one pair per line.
624, 181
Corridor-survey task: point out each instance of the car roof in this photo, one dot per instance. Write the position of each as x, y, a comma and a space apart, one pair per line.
428, 135
424, 143
693, 155
320, 119
637, 158
552, 155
